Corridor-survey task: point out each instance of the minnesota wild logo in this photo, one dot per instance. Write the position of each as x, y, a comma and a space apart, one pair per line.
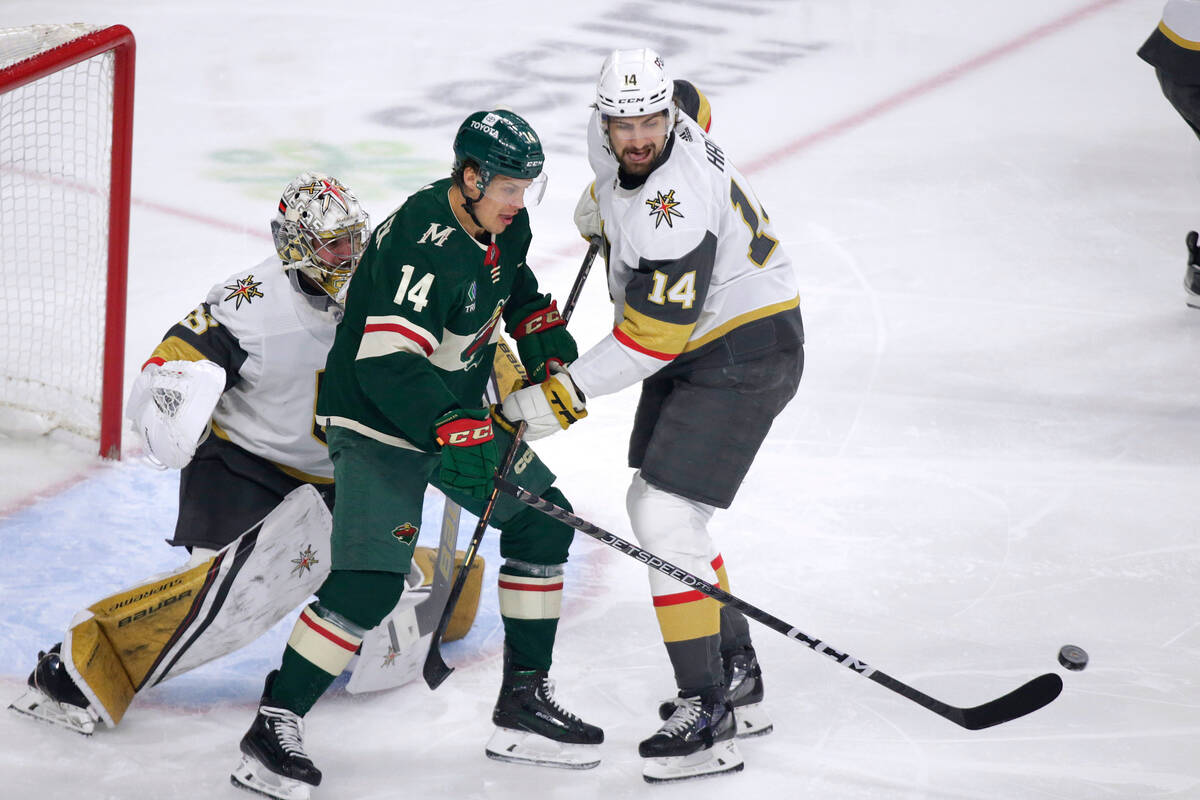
244, 289
304, 562
666, 207
406, 534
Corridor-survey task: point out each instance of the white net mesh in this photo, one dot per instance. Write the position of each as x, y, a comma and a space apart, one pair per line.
55, 158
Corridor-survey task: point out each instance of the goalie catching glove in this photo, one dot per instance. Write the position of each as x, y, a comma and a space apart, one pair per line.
543, 340
171, 404
547, 407
469, 453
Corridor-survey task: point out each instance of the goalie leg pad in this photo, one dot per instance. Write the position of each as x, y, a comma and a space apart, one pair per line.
178, 621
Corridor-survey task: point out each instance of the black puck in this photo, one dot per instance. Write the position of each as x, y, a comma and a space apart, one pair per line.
1072, 657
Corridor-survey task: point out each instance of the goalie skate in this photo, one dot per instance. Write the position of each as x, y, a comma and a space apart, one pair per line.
51, 696
41, 706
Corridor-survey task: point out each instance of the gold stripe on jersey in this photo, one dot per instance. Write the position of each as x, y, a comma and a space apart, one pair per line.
173, 348
292, 472
652, 336
740, 320
1187, 44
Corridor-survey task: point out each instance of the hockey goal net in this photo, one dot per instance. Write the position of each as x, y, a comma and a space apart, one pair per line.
66, 114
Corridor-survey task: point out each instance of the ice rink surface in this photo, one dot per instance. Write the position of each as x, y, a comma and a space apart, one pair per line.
993, 451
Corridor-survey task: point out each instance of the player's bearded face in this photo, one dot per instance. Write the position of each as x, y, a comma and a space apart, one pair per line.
637, 142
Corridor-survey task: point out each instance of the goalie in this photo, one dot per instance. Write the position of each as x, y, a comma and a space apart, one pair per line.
228, 398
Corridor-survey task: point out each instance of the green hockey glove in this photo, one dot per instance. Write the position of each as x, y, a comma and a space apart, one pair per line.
542, 339
469, 454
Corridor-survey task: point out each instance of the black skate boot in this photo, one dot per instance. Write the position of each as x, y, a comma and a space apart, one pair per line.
53, 697
744, 690
532, 728
273, 759
697, 740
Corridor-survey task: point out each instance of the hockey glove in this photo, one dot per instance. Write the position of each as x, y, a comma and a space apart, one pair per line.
587, 215
546, 407
542, 339
469, 454
171, 405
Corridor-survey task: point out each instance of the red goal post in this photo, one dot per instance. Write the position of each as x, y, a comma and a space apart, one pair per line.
66, 125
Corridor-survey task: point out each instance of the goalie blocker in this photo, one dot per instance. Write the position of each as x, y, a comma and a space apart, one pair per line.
180, 620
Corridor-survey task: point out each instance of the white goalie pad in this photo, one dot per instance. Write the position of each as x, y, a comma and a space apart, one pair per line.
176, 622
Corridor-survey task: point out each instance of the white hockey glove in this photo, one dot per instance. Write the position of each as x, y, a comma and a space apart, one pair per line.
587, 215
547, 407
171, 405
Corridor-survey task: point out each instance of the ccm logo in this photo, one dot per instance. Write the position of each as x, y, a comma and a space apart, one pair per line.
467, 438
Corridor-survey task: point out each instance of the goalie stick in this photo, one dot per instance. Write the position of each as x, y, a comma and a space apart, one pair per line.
1023, 700
436, 669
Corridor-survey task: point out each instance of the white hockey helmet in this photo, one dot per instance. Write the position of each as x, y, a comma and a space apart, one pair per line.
322, 231
633, 83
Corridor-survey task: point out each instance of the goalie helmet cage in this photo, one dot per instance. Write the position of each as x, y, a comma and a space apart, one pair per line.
66, 128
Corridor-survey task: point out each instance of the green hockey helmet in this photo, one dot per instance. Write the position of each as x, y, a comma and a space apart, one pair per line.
501, 143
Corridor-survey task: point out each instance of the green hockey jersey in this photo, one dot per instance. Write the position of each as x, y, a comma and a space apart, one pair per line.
422, 321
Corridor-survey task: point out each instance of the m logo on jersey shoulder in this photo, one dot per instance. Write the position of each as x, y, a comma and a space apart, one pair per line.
664, 208
406, 534
436, 234
244, 289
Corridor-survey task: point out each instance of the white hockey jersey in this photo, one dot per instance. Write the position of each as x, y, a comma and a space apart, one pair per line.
272, 340
691, 259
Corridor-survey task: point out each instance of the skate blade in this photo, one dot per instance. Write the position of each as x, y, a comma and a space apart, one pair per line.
721, 758
523, 747
37, 704
752, 720
254, 777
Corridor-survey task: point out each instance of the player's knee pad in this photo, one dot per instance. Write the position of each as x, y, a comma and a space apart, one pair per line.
359, 597
535, 538
673, 528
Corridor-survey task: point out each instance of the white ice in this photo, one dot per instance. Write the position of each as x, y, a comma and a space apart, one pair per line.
993, 451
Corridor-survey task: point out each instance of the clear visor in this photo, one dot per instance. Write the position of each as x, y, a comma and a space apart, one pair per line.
519, 192
652, 127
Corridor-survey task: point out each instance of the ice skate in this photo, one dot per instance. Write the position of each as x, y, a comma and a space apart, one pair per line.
532, 728
744, 690
696, 741
273, 759
53, 697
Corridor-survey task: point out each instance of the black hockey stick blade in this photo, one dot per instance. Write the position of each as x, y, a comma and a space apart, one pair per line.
1024, 700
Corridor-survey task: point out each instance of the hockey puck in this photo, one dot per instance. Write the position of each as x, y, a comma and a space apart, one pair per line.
1072, 657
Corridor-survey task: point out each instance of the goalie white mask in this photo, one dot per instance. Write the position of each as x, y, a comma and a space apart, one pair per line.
322, 231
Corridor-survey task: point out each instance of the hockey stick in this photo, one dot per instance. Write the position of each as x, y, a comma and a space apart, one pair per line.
1021, 701
436, 669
